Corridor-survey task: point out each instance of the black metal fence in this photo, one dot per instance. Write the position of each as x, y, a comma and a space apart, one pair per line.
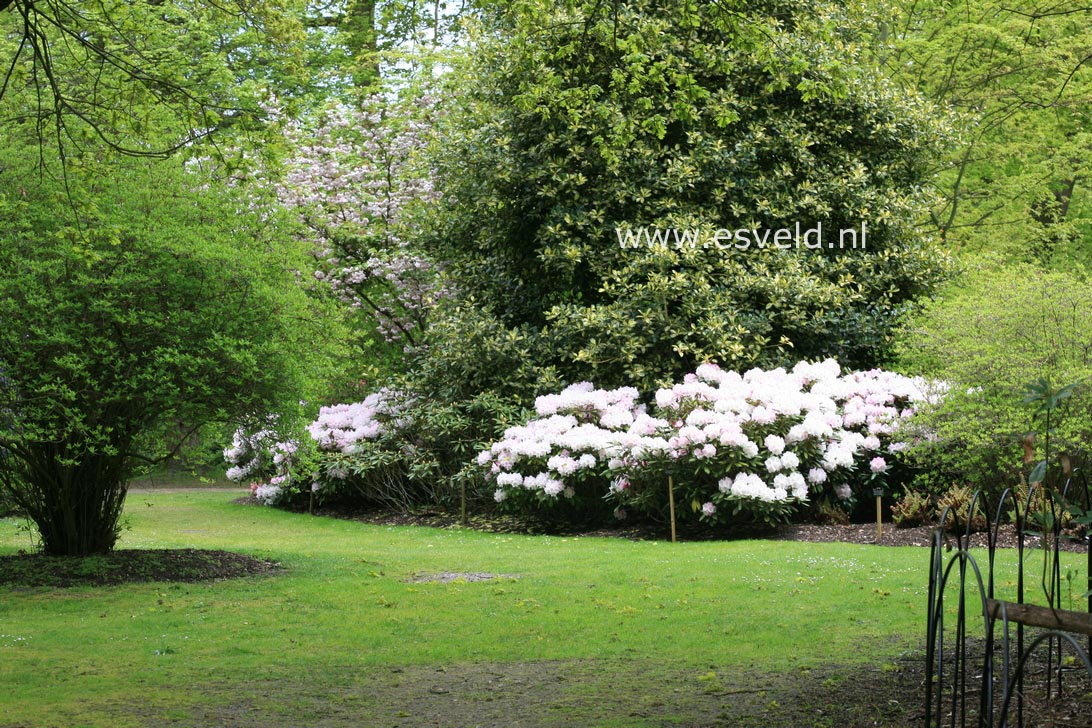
1010, 636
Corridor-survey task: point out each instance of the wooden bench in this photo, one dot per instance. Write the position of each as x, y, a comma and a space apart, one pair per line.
1033, 615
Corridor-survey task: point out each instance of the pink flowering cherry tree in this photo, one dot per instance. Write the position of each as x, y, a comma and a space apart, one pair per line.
356, 177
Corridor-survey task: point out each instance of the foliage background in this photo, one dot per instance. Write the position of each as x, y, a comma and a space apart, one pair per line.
993, 333
577, 119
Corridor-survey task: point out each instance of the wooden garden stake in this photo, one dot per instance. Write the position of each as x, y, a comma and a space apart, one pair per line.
879, 517
462, 501
879, 513
671, 504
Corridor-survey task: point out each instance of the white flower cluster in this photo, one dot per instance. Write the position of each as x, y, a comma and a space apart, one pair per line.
268, 493
262, 457
576, 431
341, 427
770, 436
250, 454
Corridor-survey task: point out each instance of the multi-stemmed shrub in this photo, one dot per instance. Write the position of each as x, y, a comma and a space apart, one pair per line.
994, 333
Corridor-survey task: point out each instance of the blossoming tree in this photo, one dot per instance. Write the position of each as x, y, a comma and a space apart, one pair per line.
357, 179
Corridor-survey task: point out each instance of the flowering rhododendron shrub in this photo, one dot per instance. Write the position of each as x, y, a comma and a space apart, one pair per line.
358, 446
341, 427
264, 458
754, 445
350, 453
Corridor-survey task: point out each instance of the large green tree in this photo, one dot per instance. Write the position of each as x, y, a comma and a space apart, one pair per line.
1020, 77
139, 302
146, 78
580, 120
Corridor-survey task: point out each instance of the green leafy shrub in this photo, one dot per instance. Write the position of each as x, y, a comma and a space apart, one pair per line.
139, 302
581, 123
992, 332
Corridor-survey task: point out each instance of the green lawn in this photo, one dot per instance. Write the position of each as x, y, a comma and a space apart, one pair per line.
341, 625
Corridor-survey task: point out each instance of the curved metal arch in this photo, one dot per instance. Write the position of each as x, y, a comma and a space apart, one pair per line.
941, 580
1039, 639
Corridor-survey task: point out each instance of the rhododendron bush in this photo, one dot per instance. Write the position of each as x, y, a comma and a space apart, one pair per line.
756, 445
260, 456
355, 453
738, 447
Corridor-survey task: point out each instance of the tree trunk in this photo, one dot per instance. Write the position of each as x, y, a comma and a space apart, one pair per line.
362, 38
75, 503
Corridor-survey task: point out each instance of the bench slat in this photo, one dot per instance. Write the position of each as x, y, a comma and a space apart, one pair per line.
1034, 615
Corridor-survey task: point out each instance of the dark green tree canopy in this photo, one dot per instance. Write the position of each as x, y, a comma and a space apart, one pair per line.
580, 119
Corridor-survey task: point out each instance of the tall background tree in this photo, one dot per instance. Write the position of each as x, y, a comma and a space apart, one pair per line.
566, 122
1019, 76
146, 78
580, 119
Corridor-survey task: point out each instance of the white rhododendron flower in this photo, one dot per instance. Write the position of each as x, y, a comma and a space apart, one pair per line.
796, 426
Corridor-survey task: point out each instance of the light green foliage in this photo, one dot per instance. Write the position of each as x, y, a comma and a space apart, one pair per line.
1018, 74
139, 302
996, 330
578, 119
147, 77
363, 45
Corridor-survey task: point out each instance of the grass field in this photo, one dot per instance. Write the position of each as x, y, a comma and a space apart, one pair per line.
577, 631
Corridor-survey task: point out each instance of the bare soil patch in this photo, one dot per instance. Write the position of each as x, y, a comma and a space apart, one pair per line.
447, 577
634, 693
128, 566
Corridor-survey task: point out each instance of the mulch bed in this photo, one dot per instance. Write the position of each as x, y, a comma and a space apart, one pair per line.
856, 533
126, 566
865, 533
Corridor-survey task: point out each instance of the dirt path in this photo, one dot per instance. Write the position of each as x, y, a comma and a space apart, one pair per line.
144, 490
564, 694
